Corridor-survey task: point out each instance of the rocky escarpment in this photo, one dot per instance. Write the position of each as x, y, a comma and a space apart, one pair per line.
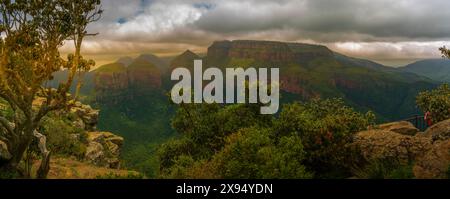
143, 75
267, 51
185, 60
124, 80
401, 142
111, 83
102, 148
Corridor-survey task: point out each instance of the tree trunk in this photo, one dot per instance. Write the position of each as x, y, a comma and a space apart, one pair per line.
18, 151
44, 168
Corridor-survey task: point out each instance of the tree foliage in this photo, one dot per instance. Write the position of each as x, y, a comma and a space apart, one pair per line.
306, 140
437, 102
32, 33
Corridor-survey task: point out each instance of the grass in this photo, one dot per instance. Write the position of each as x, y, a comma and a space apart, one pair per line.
69, 168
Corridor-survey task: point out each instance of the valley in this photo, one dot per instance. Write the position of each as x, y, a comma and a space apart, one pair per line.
133, 94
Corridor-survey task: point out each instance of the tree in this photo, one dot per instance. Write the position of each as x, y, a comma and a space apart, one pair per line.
32, 33
436, 102
445, 52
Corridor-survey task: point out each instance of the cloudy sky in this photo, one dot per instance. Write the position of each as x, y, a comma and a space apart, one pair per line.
389, 31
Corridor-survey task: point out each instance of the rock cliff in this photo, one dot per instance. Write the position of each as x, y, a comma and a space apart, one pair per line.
429, 151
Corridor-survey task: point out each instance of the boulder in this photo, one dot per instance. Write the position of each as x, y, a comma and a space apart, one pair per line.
404, 128
389, 145
95, 154
104, 149
439, 131
87, 115
4, 153
435, 164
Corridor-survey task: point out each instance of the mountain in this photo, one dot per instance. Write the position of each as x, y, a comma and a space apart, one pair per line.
132, 94
160, 63
184, 60
309, 71
126, 61
436, 69
142, 73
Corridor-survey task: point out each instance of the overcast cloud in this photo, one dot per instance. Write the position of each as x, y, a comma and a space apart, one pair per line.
375, 29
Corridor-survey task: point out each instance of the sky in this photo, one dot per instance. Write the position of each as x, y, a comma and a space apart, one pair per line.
392, 32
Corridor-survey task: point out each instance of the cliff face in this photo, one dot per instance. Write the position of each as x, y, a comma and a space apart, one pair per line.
115, 83
266, 51
102, 148
185, 60
144, 75
310, 71
111, 86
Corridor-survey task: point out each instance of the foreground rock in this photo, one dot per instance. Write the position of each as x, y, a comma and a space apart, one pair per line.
435, 163
103, 149
391, 146
87, 117
429, 152
404, 128
439, 131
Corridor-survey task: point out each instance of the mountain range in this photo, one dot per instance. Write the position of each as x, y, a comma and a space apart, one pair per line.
132, 93
436, 69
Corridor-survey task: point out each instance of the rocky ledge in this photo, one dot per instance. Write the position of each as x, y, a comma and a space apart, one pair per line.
102, 148
428, 151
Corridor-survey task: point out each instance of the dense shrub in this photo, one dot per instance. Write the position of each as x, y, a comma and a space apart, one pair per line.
326, 128
251, 153
237, 142
63, 137
437, 102
385, 169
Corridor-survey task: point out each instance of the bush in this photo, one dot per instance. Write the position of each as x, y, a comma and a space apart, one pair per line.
385, 169
437, 102
237, 142
326, 128
62, 137
252, 153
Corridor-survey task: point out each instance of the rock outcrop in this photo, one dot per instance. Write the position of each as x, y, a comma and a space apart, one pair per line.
404, 128
111, 83
103, 149
429, 152
115, 83
267, 51
389, 145
143, 75
87, 117
439, 131
434, 164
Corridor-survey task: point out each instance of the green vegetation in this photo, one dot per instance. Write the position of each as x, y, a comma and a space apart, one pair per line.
32, 35
437, 102
307, 140
144, 124
62, 135
385, 169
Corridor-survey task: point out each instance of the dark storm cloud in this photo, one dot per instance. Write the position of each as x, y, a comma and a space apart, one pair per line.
413, 19
364, 28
